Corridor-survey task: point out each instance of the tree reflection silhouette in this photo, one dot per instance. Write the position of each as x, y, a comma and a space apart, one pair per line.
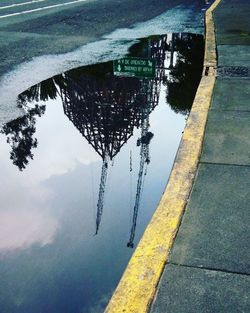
185, 76
20, 133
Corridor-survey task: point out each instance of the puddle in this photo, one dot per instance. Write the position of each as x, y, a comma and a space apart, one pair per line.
84, 170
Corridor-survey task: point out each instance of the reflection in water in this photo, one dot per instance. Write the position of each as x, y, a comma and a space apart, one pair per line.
106, 112
60, 265
182, 52
106, 109
20, 229
20, 133
184, 76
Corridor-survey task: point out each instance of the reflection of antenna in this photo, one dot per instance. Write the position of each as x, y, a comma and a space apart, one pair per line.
130, 162
171, 65
101, 192
144, 141
156, 49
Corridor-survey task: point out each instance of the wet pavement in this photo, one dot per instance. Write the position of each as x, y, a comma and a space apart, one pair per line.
25, 36
39, 45
209, 265
84, 170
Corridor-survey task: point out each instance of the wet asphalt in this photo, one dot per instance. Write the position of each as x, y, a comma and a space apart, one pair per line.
64, 28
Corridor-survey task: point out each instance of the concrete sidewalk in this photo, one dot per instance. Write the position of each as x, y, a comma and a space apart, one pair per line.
209, 266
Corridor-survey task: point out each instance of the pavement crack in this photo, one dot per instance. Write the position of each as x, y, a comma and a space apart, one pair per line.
210, 269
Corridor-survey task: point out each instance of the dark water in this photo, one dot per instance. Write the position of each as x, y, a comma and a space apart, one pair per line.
82, 173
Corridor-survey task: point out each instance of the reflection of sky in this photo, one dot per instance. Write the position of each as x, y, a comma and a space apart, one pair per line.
22, 228
48, 214
24, 215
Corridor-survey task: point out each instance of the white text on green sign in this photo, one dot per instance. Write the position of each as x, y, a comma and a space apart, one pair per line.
134, 67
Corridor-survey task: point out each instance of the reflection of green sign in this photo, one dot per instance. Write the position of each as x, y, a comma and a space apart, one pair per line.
135, 67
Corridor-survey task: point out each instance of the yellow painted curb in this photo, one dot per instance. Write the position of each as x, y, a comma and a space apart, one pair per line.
137, 287
210, 58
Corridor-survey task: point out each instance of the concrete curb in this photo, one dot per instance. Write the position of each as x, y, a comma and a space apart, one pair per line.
137, 287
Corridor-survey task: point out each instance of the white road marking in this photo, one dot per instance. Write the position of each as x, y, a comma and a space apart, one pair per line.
41, 9
20, 4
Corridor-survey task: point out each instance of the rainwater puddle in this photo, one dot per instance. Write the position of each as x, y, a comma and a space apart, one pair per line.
83, 172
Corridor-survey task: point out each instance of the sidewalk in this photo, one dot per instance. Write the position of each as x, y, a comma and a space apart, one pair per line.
209, 266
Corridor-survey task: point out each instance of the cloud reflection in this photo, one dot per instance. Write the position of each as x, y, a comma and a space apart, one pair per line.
22, 229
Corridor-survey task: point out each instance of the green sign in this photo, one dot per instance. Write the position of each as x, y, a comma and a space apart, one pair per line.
134, 67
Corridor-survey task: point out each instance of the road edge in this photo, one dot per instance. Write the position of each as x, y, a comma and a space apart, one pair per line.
138, 284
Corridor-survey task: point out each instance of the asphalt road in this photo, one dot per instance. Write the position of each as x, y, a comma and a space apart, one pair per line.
30, 6
30, 28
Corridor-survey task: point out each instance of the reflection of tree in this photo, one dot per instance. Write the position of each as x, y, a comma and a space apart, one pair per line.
185, 75
41, 92
185, 53
20, 133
